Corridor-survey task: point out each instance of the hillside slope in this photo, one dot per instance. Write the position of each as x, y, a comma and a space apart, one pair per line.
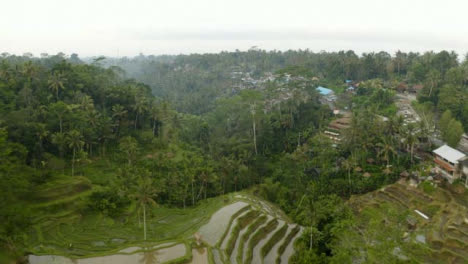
442, 238
235, 228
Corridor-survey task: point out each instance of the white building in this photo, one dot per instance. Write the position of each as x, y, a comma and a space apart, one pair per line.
450, 162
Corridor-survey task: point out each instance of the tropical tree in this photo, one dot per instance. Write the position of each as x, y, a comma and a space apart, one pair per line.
144, 193
129, 146
56, 82
60, 140
75, 142
386, 149
139, 107
454, 132
118, 113
410, 138
154, 112
60, 109
42, 133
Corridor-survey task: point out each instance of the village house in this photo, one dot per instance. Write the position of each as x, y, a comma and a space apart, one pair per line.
450, 163
326, 93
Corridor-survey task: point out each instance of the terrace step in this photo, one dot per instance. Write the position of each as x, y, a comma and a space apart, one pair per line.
273, 254
257, 254
290, 248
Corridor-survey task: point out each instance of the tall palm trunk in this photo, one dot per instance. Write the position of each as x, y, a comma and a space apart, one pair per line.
193, 195
412, 149
144, 221
73, 163
136, 120
254, 135
311, 236
139, 218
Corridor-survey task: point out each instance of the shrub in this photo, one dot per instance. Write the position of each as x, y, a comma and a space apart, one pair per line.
427, 187
108, 202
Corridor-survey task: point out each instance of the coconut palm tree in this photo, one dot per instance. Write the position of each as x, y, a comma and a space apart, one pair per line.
154, 112
75, 142
411, 139
433, 78
386, 149
144, 193
139, 107
118, 113
29, 71
56, 82
42, 133
60, 141
5, 71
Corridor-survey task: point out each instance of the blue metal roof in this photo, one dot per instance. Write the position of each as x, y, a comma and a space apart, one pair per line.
323, 90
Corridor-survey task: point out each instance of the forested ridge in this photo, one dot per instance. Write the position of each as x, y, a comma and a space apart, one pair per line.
175, 130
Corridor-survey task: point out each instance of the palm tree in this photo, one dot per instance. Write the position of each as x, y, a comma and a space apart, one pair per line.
144, 193
75, 142
5, 71
139, 107
56, 82
254, 124
154, 111
87, 103
60, 109
410, 139
118, 112
42, 134
434, 78
29, 71
386, 149
60, 141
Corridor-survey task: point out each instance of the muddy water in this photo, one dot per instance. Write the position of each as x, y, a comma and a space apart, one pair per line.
271, 256
290, 249
199, 256
233, 257
246, 244
150, 257
234, 223
219, 222
217, 256
257, 256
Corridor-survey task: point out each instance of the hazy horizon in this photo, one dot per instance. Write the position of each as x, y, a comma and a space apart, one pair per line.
128, 28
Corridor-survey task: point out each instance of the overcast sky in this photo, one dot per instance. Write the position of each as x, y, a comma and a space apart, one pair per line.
128, 27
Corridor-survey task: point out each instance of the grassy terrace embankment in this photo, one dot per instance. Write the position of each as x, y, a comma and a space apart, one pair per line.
443, 238
64, 226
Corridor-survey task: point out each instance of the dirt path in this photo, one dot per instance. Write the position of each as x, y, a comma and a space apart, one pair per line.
199, 256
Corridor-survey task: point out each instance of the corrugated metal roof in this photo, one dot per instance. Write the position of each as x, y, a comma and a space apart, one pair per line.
324, 91
449, 153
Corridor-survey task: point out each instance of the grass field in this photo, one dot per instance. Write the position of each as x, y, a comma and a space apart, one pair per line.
444, 236
64, 226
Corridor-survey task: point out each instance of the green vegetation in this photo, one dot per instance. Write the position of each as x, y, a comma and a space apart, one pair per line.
286, 242
242, 222
92, 162
234, 216
257, 236
274, 239
254, 226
